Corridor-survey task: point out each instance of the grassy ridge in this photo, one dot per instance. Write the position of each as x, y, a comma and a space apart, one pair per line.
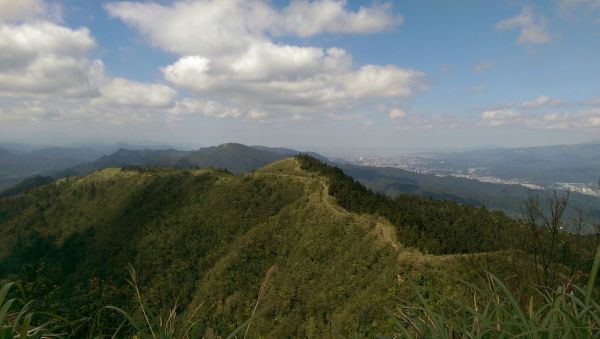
274, 246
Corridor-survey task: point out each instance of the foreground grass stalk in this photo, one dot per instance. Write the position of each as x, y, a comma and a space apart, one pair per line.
565, 312
592, 279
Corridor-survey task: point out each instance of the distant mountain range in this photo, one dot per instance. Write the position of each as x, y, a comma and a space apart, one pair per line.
61, 162
540, 165
40, 166
14, 167
236, 158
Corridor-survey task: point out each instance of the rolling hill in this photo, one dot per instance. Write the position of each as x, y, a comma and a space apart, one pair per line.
314, 252
238, 158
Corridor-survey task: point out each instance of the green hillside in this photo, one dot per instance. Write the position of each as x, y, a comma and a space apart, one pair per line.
236, 158
296, 246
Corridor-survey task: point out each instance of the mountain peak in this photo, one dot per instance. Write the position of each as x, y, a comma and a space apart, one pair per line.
230, 145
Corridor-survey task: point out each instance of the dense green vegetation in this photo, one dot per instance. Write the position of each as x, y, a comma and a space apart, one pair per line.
293, 249
568, 311
197, 237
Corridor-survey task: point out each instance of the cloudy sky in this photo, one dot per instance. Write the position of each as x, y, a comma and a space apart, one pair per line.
301, 72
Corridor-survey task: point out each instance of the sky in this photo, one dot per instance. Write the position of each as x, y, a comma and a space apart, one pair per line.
310, 73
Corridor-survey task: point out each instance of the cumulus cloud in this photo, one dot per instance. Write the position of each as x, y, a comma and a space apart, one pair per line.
229, 26
124, 92
45, 72
580, 119
483, 66
206, 108
212, 109
16, 10
397, 113
501, 117
228, 51
532, 28
116, 100
307, 18
540, 102
43, 57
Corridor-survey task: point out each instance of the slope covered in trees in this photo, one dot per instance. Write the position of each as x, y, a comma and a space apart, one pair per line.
297, 247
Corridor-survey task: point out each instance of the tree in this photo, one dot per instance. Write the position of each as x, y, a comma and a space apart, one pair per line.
545, 222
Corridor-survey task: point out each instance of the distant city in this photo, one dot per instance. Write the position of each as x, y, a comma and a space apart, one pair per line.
422, 164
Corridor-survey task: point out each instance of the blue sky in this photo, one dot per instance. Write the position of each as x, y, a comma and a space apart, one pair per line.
317, 73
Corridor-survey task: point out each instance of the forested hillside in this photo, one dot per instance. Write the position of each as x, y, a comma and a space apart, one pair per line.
296, 247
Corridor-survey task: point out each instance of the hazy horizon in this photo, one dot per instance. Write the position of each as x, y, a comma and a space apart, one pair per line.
330, 151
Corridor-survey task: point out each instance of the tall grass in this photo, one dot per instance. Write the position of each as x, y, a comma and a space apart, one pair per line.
167, 326
16, 317
568, 311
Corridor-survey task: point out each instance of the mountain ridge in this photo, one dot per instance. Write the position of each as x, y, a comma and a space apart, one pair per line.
208, 237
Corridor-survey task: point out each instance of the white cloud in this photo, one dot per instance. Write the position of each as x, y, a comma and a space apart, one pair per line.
212, 109
381, 81
206, 108
228, 53
532, 28
397, 113
299, 77
29, 39
257, 115
209, 28
221, 27
541, 102
43, 57
581, 119
307, 18
46, 74
123, 92
501, 117
484, 66
15, 10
